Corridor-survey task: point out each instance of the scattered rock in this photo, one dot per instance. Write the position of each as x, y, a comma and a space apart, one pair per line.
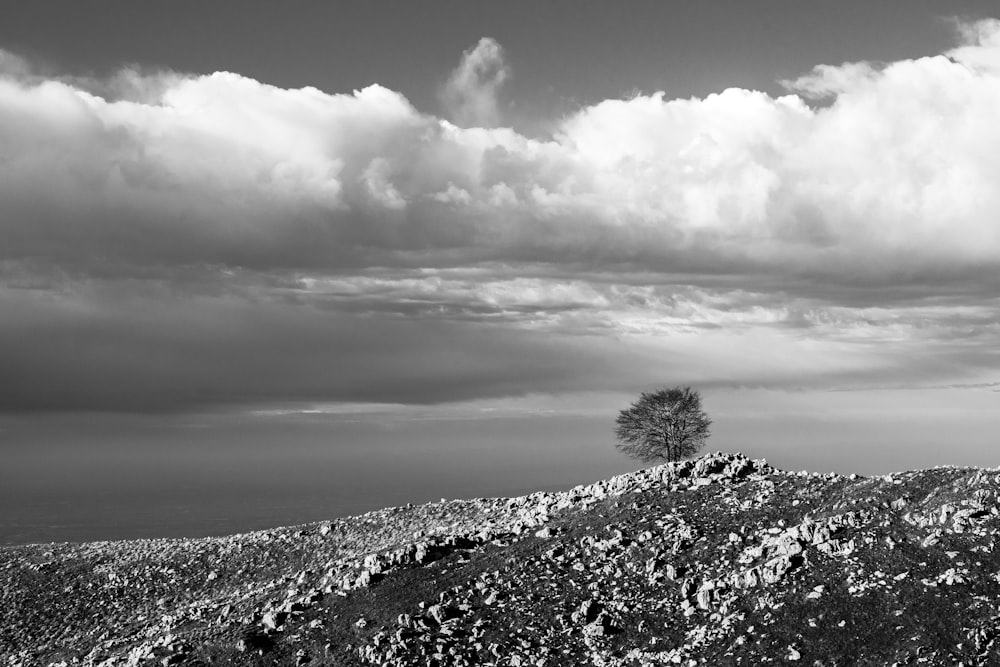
676, 564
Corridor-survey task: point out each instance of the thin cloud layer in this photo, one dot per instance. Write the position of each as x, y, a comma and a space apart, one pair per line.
177, 241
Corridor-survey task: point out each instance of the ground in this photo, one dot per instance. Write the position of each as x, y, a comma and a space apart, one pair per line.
717, 561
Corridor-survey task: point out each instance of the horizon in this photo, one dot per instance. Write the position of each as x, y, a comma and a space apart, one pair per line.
259, 262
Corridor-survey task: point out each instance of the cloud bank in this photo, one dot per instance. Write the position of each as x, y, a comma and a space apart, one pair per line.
173, 241
895, 176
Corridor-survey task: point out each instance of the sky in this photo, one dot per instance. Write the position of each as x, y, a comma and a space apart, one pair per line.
460, 215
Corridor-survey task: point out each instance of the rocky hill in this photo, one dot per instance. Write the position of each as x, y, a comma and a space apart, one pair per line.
717, 561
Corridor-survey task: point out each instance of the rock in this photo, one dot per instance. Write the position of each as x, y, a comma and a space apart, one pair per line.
273, 620
733, 558
816, 592
440, 613
590, 610
773, 570
931, 539
599, 627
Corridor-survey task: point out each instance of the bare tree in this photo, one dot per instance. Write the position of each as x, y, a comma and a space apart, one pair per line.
666, 425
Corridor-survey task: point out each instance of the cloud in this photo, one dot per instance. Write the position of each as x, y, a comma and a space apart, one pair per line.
166, 346
895, 178
469, 96
173, 241
135, 348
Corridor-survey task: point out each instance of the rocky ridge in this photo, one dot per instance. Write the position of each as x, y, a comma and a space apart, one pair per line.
716, 561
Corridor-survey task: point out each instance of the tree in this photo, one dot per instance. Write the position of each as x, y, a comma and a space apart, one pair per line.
666, 425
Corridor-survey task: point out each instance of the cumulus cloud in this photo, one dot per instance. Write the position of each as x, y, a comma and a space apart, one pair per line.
470, 96
213, 239
895, 177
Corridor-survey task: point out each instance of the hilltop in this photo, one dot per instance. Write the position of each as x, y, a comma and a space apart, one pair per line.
721, 560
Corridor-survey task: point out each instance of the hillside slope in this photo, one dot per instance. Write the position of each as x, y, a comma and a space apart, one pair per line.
717, 561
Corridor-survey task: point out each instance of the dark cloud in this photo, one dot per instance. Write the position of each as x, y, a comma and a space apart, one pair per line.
148, 352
